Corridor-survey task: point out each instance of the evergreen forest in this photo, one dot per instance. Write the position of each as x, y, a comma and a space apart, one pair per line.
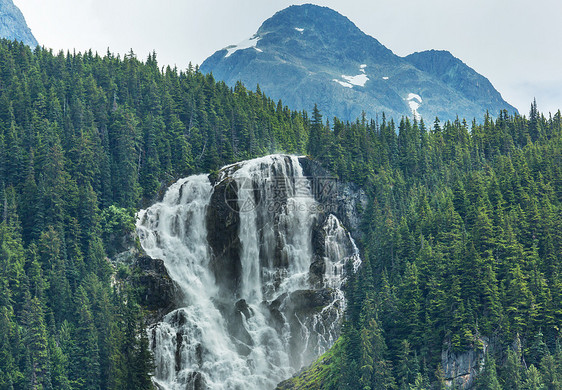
462, 233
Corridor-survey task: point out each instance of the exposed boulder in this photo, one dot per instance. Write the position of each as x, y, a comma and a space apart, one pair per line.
276, 318
159, 294
242, 307
317, 271
196, 381
241, 313
308, 301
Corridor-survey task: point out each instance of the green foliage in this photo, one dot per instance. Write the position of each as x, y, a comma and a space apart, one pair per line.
488, 379
461, 245
323, 374
85, 141
462, 232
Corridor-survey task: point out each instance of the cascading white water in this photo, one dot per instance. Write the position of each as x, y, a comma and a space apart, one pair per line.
285, 212
337, 254
265, 323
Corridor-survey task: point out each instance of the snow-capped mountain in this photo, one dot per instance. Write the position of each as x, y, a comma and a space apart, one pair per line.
309, 54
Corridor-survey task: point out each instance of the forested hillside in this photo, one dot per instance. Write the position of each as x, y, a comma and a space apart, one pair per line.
84, 142
463, 228
463, 250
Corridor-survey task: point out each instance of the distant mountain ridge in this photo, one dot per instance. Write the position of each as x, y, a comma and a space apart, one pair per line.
309, 54
13, 25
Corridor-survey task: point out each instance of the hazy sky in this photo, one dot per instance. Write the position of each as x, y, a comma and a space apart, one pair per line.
517, 44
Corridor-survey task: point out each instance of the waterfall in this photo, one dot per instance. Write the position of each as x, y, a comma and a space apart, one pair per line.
260, 267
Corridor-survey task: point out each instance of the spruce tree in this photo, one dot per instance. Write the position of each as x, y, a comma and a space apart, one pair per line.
488, 379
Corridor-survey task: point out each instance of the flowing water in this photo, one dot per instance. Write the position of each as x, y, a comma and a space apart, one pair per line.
251, 319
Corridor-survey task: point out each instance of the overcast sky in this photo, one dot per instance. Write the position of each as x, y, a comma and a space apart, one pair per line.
516, 44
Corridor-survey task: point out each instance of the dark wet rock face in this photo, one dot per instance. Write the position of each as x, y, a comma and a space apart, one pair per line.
223, 224
308, 301
345, 200
158, 292
317, 270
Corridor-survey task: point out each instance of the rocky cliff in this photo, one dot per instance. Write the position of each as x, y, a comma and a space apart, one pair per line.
461, 369
13, 25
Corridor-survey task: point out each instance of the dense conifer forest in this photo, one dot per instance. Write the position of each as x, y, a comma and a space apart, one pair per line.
462, 251
85, 141
462, 232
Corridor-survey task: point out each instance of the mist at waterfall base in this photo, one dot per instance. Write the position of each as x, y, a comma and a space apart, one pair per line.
260, 267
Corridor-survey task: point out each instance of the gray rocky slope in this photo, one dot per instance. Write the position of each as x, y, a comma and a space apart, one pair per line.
13, 25
307, 54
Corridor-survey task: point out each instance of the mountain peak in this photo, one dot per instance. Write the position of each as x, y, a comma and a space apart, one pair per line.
458, 75
308, 54
13, 25
301, 17
300, 29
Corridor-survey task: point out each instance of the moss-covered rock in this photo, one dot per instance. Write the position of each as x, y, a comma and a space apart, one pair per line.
320, 375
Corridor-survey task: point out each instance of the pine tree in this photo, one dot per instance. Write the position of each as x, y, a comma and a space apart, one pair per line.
85, 357
37, 343
59, 366
316, 137
488, 379
552, 377
410, 302
144, 363
513, 368
533, 380
406, 369
125, 153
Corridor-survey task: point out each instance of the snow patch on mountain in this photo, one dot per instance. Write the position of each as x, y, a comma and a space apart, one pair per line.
414, 101
246, 44
343, 83
414, 96
358, 80
351, 81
